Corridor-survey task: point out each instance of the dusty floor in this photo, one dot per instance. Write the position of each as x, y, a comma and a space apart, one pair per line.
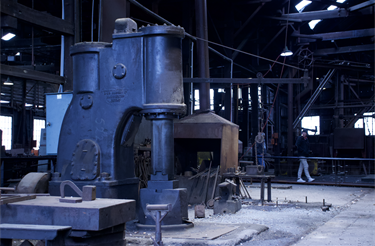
289, 223
293, 219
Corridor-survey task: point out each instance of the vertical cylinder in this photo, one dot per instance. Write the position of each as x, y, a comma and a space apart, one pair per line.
162, 149
202, 53
163, 69
86, 66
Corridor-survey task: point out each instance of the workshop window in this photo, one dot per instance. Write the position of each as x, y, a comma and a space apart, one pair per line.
6, 127
39, 124
367, 122
311, 124
196, 99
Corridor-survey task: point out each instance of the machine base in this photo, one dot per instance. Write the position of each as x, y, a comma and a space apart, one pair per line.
176, 197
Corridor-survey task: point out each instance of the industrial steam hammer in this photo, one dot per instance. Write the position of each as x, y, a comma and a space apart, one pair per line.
114, 85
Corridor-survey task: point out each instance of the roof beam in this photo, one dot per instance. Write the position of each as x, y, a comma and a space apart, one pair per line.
361, 5
30, 74
247, 80
328, 14
338, 35
346, 49
321, 14
36, 17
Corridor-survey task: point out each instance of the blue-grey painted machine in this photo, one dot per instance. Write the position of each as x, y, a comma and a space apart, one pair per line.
115, 85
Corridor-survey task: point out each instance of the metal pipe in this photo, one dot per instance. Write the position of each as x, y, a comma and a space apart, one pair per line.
100, 19
202, 50
92, 21
290, 121
192, 76
319, 158
231, 91
62, 53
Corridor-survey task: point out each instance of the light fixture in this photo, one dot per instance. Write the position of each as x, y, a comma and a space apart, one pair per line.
332, 7
8, 82
8, 36
301, 6
286, 52
313, 23
340, 1
18, 54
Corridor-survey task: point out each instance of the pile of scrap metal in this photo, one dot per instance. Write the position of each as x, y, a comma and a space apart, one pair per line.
224, 202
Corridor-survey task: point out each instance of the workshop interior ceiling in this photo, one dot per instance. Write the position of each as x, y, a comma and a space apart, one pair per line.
343, 39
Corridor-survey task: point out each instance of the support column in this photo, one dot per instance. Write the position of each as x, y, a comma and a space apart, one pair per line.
341, 99
254, 111
290, 127
69, 10
245, 116
235, 104
202, 53
276, 148
111, 10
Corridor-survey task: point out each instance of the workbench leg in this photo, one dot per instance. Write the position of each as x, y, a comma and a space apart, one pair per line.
238, 186
269, 189
262, 191
5, 242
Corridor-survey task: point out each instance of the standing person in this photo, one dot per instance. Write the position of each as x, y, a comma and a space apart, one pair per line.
303, 147
261, 148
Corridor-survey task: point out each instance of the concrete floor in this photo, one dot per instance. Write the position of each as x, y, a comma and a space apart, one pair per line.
350, 220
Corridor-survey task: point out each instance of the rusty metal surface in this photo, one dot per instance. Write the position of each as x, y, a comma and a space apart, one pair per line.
93, 215
15, 198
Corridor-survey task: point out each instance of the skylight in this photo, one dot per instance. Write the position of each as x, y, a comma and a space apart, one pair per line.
313, 23
8, 36
332, 7
301, 6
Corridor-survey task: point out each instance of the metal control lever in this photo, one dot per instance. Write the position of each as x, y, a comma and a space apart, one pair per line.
158, 212
88, 192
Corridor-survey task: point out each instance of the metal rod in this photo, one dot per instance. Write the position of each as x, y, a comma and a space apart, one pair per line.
313, 97
206, 187
214, 187
100, 19
158, 228
202, 53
